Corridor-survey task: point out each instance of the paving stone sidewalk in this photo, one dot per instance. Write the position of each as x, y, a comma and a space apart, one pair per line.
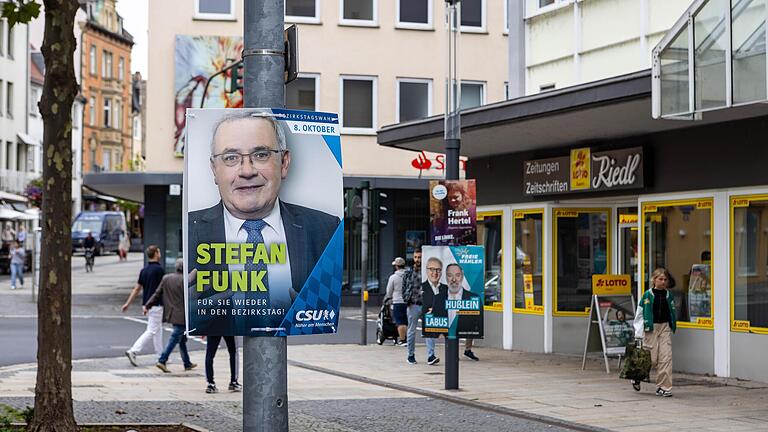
554, 386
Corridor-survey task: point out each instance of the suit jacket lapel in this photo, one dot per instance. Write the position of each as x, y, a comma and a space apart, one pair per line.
295, 237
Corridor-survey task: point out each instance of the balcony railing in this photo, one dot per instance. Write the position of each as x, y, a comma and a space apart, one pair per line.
15, 181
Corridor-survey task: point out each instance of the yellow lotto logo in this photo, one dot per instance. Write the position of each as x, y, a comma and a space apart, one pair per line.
704, 204
610, 285
528, 283
704, 321
566, 213
651, 208
518, 215
628, 219
741, 325
580, 167
741, 202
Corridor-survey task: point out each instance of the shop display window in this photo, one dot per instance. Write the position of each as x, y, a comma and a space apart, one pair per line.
677, 235
582, 248
749, 266
489, 234
528, 238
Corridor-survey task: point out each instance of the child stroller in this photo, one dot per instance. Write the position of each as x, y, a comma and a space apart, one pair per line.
385, 327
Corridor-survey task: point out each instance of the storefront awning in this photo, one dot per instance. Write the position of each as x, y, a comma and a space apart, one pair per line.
27, 139
128, 185
613, 108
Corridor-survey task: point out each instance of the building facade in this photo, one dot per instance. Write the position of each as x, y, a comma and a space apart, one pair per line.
106, 87
605, 177
16, 167
374, 62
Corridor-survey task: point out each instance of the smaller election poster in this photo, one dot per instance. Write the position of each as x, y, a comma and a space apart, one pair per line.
453, 291
452, 212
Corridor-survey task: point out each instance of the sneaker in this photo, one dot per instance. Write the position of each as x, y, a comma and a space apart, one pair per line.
432, 360
13, 287
235, 386
636, 385
411, 359
131, 357
162, 367
663, 393
470, 355
211, 388
190, 366
401, 343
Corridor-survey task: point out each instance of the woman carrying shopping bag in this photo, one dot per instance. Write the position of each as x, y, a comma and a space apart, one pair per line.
655, 321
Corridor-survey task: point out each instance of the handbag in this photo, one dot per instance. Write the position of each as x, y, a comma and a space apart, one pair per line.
637, 366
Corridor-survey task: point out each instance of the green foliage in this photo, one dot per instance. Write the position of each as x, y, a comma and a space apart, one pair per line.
20, 11
10, 415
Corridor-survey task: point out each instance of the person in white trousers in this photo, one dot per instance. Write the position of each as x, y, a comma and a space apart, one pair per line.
149, 279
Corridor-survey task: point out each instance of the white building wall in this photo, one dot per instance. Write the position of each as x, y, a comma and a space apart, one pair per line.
14, 69
572, 42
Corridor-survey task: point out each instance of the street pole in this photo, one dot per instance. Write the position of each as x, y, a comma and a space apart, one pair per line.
364, 267
265, 377
452, 146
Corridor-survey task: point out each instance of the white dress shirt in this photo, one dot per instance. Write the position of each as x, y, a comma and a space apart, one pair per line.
279, 275
452, 312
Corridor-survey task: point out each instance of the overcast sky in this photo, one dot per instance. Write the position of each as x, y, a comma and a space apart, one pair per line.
135, 16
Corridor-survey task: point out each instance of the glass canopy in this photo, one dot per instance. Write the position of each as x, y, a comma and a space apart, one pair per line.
712, 58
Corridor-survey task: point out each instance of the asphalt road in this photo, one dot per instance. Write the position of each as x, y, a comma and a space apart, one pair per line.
100, 336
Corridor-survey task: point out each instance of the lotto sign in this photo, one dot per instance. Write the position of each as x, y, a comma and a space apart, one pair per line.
611, 285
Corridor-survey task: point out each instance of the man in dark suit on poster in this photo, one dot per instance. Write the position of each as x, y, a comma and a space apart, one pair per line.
249, 160
434, 294
469, 319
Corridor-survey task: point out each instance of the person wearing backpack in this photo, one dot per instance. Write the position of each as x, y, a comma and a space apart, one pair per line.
655, 321
413, 296
395, 293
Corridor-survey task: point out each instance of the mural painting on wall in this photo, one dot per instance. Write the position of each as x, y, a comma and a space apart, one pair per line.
197, 58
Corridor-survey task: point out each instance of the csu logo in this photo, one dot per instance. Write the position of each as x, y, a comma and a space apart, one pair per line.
315, 315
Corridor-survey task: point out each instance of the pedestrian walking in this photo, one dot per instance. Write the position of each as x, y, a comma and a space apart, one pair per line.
395, 293
212, 346
21, 236
122, 250
655, 321
170, 294
149, 279
413, 296
18, 257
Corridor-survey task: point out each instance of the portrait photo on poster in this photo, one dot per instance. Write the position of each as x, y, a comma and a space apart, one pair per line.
263, 230
453, 212
452, 291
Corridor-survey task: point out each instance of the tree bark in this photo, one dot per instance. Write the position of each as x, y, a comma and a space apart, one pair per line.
53, 391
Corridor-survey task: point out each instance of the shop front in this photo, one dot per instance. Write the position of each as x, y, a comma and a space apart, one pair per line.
584, 182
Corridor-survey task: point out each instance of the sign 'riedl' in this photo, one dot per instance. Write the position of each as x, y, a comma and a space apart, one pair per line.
263, 224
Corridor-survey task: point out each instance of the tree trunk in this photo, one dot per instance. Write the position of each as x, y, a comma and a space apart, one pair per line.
53, 391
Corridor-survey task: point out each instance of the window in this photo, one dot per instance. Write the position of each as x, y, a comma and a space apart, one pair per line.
677, 235
215, 9
414, 14
2, 105
473, 15
106, 64
10, 38
301, 93
136, 128
302, 11
121, 69
117, 123
9, 159
106, 160
107, 112
749, 249
472, 94
2, 41
34, 98
582, 248
489, 234
76, 116
414, 99
92, 111
359, 12
528, 261
92, 60
9, 100
545, 3
506, 90
358, 105
546, 87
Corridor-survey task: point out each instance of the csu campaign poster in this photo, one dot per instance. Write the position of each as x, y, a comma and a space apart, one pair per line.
453, 291
263, 222
452, 212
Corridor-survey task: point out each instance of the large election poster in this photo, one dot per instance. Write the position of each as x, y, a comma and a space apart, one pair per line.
263, 222
452, 212
453, 291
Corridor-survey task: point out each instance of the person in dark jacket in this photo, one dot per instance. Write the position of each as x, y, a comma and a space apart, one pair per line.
170, 294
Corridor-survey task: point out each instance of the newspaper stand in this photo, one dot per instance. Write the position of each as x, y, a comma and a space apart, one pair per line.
618, 289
